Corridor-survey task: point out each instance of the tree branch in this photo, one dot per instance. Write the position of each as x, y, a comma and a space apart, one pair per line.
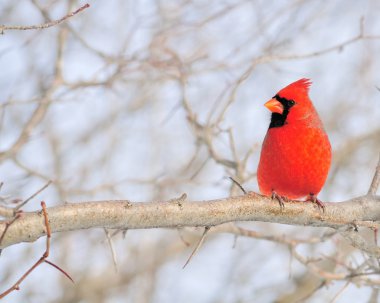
358, 241
376, 180
122, 214
43, 25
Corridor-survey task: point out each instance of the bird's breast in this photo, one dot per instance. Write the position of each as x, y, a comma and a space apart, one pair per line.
294, 160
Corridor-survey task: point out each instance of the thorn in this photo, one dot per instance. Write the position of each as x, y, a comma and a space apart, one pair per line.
60, 269
179, 200
200, 242
239, 185
112, 249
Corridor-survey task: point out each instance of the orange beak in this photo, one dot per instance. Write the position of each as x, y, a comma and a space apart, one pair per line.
274, 106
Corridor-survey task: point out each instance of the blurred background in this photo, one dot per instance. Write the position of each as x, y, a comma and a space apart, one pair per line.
146, 100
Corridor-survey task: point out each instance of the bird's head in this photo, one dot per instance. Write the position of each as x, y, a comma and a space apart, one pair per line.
291, 104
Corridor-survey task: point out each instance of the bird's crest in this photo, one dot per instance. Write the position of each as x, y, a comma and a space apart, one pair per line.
303, 83
300, 85
296, 90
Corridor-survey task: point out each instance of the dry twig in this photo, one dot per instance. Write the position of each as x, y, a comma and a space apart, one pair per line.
43, 25
32, 196
16, 285
376, 180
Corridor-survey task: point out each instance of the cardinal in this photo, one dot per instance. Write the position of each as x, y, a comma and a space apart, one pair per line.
296, 153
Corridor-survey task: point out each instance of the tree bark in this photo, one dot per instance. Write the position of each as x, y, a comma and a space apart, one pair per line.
175, 213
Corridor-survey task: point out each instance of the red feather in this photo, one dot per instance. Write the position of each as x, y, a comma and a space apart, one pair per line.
296, 152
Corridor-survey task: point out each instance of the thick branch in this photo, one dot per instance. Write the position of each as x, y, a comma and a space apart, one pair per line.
177, 213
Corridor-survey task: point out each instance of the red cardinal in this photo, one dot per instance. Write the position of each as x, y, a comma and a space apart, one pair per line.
296, 153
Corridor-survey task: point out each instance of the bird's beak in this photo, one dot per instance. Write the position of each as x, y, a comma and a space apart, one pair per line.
274, 106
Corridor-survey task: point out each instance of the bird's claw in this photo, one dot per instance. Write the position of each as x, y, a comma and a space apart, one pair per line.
281, 199
315, 200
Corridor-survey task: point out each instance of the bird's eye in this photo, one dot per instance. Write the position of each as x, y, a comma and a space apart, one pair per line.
291, 102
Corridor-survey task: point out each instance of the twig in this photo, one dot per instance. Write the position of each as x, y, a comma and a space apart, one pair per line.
239, 231
376, 180
374, 296
239, 185
36, 117
196, 249
16, 286
32, 196
7, 224
308, 295
43, 25
112, 248
339, 293
356, 240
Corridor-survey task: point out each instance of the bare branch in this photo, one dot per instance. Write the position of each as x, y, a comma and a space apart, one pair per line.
356, 240
376, 180
361, 211
16, 286
43, 25
32, 196
232, 228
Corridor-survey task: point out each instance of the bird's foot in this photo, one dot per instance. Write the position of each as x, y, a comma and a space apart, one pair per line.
281, 199
312, 198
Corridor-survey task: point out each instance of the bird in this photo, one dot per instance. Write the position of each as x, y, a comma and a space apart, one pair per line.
295, 156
